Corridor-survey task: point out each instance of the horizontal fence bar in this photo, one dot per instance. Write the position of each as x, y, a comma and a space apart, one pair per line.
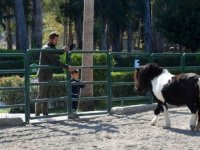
12, 54
91, 67
192, 67
122, 68
48, 83
121, 83
56, 99
90, 98
129, 98
45, 50
66, 82
86, 52
12, 71
12, 106
50, 116
166, 54
90, 82
92, 113
12, 88
130, 53
44, 66
190, 54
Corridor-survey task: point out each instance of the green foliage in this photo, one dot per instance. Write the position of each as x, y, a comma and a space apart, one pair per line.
16, 97
178, 21
11, 97
123, 90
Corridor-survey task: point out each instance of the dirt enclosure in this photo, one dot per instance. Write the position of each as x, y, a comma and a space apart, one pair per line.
131, 132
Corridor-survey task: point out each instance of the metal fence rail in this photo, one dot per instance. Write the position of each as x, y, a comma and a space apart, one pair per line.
29, 100
173, 61
12, 88
105, 82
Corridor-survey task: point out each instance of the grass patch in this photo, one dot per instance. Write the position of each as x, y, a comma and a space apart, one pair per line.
4, 110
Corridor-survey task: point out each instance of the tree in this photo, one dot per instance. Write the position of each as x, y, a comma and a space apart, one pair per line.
178, 21
21, 31
147, 27
6, 14
72, 10
36, 40
87, 74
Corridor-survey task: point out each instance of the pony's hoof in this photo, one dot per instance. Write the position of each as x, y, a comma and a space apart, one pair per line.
152, 123
192, 127
166, 126
197, 127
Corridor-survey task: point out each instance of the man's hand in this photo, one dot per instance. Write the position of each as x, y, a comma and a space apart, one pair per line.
66, 48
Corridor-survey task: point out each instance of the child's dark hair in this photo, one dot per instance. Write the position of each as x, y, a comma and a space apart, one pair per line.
75, 71
52, 35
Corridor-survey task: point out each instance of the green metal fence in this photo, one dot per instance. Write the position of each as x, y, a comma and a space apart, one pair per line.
22, 72
31, 83
175, 62
143, 58
105, 82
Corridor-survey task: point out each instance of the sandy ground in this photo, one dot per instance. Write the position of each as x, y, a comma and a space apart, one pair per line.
131, 132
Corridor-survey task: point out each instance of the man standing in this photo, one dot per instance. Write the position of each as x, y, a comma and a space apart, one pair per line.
46, 74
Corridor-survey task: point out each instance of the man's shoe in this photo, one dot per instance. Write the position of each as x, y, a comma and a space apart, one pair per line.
37, 115
45, 114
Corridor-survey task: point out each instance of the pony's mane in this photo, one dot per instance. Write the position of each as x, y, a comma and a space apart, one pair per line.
147, 73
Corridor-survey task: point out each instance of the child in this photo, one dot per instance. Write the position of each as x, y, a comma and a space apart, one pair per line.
76, 85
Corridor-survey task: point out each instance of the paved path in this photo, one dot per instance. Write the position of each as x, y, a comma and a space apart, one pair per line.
131, 132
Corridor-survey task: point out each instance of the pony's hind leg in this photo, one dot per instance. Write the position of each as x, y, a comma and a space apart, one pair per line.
167, 119
198, 122
193, 121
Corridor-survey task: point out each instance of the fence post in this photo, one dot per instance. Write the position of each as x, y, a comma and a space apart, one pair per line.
183, 63
27, 88
149, 93
68, 86
109, 86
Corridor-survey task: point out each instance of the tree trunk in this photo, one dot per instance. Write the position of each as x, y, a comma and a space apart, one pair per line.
70, 35
130, 31
130, 39
103, 42
116, 40
21, 30
65, 33
36, 41
147, 27
8, 29
87, 74
139, 35
78, 27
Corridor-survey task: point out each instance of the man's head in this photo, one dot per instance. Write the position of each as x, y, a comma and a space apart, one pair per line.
53, 38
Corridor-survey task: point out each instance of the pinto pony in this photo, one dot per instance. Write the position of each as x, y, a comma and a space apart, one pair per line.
166, 88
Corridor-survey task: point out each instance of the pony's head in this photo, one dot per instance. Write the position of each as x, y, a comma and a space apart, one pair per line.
144, 75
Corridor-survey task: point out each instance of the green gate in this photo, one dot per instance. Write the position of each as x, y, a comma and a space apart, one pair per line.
67, 82
14, 88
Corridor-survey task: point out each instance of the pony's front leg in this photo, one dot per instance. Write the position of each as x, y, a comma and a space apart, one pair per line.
154, 120
193, 121
156, 113
166, 116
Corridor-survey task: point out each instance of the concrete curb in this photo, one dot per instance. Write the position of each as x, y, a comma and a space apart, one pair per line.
135, 109
132, 109
11, 122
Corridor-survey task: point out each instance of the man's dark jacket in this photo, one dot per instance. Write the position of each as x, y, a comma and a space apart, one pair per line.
49, 58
